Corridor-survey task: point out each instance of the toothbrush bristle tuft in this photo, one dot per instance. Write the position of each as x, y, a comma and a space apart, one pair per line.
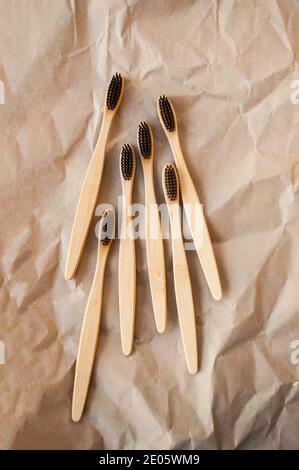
145, 140
127, 162
107, 227
171, 182
167, 113
114, 91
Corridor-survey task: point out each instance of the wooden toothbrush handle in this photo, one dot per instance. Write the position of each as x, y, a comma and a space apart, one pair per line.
155, 259
185, 306
197, 223
201, 237
88, 341
127, 285
87, 202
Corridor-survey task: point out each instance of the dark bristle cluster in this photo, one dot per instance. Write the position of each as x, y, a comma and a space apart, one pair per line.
127, 161
114, 91
171, 182
167, 113
145, 140
107, 227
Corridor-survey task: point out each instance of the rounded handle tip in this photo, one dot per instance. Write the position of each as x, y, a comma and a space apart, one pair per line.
161, 327
69, 272
193, 367
127, 348
217, 293
76, 414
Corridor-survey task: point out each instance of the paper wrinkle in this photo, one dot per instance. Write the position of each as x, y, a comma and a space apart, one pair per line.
228, 67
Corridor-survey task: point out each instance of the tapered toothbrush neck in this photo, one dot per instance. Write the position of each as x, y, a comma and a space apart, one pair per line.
148, 172
127, 192
176, 148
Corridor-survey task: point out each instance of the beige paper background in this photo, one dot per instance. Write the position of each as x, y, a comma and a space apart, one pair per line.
228, 67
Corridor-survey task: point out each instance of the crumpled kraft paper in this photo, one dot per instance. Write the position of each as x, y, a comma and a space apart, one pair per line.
228, 67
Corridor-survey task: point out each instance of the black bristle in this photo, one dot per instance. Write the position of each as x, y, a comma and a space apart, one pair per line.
114, 91
107, 227
167, 113
171, 182
145, 140
127, 161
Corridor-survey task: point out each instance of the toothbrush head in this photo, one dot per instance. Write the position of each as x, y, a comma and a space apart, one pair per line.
145, 140
114, 93
166, 114
127, 162
170, 183
107, 227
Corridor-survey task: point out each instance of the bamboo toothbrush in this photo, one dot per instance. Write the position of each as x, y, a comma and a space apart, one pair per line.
190, 199
182, 284
154, 240
92, 318
92, 180
127, 260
